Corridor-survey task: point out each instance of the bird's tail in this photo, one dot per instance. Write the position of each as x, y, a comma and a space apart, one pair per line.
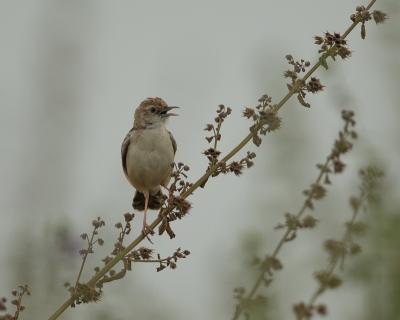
139, 201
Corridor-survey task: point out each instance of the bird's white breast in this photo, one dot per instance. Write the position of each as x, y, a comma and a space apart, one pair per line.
149, 157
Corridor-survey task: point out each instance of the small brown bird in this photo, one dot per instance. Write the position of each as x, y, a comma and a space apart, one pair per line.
147, 152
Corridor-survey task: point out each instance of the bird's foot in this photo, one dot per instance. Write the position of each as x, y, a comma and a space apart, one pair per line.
145, 234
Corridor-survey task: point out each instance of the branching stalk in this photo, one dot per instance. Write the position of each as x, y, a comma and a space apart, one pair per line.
202, 179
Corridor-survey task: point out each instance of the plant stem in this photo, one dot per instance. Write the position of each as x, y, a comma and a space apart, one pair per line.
90, 244
260, 279
333, 264
120, 256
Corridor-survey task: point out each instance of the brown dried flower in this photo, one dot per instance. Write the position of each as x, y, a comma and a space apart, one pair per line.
145, 253
379, 16
309, 222
314, 85
236, 168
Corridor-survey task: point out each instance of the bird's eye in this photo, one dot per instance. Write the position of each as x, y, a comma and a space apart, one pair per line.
152, 110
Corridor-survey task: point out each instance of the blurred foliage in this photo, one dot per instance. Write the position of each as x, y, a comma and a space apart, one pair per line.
378, 268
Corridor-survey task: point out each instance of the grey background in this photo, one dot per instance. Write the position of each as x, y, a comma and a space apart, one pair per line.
72, 74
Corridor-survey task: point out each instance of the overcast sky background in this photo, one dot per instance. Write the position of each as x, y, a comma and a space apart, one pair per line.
72, 74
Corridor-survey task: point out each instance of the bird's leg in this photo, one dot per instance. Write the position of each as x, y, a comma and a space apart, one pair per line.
145, 225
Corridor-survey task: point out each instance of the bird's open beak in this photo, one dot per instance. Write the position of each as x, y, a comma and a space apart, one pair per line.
165, 114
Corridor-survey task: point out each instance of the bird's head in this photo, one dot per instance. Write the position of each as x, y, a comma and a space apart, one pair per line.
152, 112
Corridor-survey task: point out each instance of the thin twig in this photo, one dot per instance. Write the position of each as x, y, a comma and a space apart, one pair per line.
333, 264
84, 258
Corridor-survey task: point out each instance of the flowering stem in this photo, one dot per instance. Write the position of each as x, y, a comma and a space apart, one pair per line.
333, 264
90, 244
205, 176
261, 278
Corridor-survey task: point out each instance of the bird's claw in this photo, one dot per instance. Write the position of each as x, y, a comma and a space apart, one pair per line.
146, 234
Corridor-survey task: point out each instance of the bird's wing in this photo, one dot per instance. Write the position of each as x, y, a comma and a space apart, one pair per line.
124, 151
174, 145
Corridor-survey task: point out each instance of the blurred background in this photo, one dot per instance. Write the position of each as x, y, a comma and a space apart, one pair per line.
73, 72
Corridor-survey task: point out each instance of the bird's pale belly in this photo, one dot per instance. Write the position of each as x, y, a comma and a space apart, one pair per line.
149, 160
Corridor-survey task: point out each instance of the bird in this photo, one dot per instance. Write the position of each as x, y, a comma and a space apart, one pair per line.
147, 153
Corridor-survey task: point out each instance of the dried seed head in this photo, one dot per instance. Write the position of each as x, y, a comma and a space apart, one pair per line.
212, 152
98, 223
379, 16
160, 268
129, 216
348, 116
271, 118
106, 260
136, 255
257, 140
302, 311
344, 53
209, 139
181, 205
249, 163
83, 252
289, 58
309, 222
343, 145
360, 8
317, 191
338, 166
314, 85
249, 113
275, 263
145, 253
236, 168
335, 248
318, 40
290, 74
